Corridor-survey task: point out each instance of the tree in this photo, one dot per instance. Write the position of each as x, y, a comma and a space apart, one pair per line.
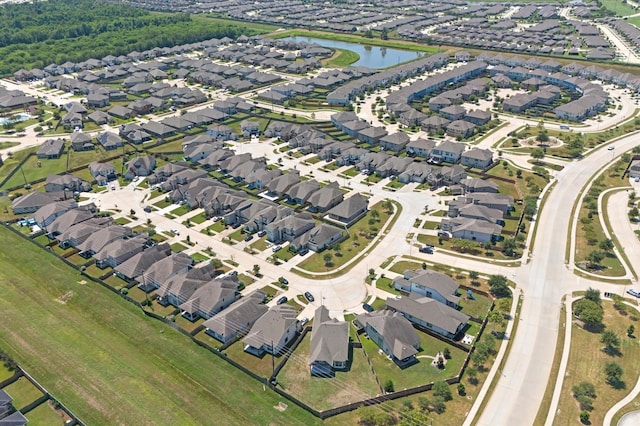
388, 386
256, 270
606, 245
630, 330
613, 373
438, 405
384, 35
216, 263
633, 212
496, 317
327, 259
543, 136
593, 295
509, 247
589, 312
537, 154
498, 286
423, 403
584, 417
462, 391
472, 375
480, 354
446, 353
594, 258
611, 342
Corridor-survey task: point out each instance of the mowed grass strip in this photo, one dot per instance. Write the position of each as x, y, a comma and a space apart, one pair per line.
587, 361
110, 364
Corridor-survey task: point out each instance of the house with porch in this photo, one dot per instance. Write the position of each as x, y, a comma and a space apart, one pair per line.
329, 344
428, 283
393, 334
272, 332
237, 318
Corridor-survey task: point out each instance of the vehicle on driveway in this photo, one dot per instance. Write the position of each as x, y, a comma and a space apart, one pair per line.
282, 300
175, 232
426, 249
367, 307
634, 292
262, 233
249, 237
276, 248
309, 296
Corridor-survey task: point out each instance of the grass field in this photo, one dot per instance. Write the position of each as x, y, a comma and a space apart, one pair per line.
135, 371
43, 414
23, 392
587, 361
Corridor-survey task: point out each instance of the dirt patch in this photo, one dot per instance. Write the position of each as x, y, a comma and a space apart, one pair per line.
83, 282
281, 406
65, 297
64, 416
553, 142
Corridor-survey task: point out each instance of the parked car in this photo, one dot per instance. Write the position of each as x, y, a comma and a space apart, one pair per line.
276, 248
426, 249
634, 292
303, 321
249, 237
309, 296
147, 209
611, 148
282, 300
284, 281
175, 232
262, 233
367, 307
303, 251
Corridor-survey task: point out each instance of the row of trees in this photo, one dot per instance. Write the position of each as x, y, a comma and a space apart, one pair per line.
95, 32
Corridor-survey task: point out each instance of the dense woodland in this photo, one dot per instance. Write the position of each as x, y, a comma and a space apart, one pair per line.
44, 32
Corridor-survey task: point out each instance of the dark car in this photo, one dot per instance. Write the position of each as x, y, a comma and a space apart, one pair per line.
282, 300
309, 296
249, 237
284, 281
426, 249
367, 307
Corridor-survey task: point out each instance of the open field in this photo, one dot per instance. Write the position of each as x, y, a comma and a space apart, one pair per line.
133, 366
587, 360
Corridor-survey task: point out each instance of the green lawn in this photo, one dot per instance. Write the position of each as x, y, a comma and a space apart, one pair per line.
360, 235
43, 414
23, 392
135, 371
199, 218
355, 384
417, 374
177, 247
477, 307
587, 361
5, 373
182, 210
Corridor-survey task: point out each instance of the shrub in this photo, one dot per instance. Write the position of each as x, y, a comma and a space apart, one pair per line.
584, 417
388, 386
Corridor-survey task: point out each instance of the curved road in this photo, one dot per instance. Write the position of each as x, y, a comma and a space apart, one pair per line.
544, 280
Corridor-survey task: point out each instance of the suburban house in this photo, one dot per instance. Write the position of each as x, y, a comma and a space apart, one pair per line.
46, 214
140, 166
5, 403
103, 173
119, 251
300, 192
420, 147
349, 210
81, 141
430, 314
428, 283
500, 202
471, 185
110, 140
51, 148
447, 151
179, 288
99, 239
210, 299
393, 334
318, 238
461, 128
79, 232
66, 220
477, 157
272, 331
394, 142
66, 182
325, 198
329, 344
289, 228
473, 229
238, 318
159, 272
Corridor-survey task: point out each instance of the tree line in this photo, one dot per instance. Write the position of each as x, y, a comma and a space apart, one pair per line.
92, 29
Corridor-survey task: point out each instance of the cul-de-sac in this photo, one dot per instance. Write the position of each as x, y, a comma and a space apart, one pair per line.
276, 212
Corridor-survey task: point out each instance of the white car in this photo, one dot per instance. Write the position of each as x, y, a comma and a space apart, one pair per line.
634, 292
175, 232
611, 148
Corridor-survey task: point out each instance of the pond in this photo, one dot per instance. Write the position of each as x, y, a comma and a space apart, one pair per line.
375, 57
